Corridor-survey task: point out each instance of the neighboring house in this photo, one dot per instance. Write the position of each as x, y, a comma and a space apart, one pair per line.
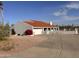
37, 27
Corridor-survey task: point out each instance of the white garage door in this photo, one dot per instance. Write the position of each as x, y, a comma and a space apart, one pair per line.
37, 31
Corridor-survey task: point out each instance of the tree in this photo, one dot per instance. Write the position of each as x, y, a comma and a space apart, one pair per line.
13, 30
7, 29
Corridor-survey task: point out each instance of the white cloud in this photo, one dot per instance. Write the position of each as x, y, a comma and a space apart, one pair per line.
60, 13
64, 12
73, 6
57, 14
70, 17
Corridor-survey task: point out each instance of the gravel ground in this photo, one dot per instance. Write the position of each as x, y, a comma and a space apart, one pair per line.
21, 43
46, 46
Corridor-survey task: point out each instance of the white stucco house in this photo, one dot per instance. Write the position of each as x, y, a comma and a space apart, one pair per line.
37, 27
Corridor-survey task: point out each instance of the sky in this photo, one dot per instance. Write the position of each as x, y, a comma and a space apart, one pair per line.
59, 12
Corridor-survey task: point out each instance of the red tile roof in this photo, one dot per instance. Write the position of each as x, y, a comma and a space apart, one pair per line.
38, 23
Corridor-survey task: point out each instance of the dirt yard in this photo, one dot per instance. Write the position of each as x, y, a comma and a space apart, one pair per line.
54, 45
21, 43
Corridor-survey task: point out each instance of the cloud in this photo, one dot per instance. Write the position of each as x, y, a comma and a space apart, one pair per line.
73, 5
63, 13
70, 17
60, 13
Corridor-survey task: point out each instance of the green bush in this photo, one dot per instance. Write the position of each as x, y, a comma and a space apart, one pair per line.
5, 43
4, 31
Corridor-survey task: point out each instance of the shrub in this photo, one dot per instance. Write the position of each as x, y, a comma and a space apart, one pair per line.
7, 30
6, 45
4, 31
2, 38
13, 32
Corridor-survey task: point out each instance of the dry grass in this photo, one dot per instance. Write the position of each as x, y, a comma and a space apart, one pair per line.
6, 45
16, 44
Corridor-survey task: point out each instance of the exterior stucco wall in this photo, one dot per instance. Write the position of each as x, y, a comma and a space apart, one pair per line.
20, 28
40, 30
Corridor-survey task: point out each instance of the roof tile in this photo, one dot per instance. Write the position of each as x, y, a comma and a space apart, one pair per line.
36, 23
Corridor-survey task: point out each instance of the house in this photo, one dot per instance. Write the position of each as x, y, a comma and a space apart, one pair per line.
37, 27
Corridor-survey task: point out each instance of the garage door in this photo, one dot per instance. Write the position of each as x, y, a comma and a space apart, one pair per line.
37, 31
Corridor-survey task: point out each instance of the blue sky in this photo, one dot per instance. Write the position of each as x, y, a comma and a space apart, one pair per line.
62, 12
